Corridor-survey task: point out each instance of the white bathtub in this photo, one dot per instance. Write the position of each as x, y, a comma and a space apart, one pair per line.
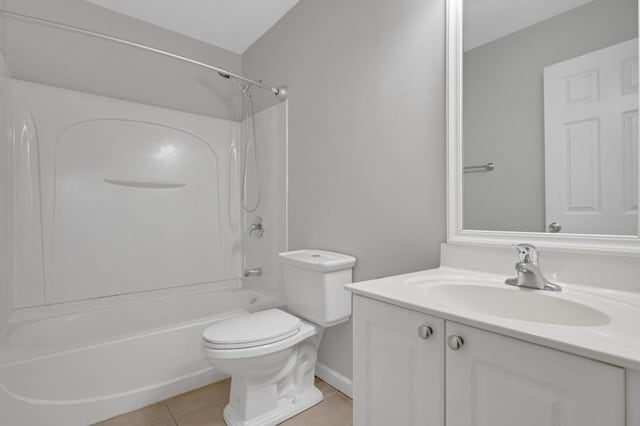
81, 367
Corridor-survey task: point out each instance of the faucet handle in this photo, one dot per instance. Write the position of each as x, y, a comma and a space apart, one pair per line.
527, 253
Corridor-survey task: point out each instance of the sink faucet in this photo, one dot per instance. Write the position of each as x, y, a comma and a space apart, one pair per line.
529, 274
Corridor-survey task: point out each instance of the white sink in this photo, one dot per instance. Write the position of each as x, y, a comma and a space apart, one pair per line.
598, 323
508, 302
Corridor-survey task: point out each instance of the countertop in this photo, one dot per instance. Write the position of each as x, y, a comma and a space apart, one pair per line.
616, 342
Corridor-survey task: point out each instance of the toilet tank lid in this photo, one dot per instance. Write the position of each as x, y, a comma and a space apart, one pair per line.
318, 260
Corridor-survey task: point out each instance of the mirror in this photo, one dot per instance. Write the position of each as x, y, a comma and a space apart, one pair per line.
549, 116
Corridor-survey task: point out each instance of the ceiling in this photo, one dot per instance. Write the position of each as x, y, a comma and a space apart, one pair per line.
231, 24
489, 20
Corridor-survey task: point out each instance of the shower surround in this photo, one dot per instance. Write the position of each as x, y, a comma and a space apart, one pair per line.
127, 240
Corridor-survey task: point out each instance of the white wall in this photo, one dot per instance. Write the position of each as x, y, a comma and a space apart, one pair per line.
63, 59
366, 134
271, 144
93, 215
69, 60
504, 110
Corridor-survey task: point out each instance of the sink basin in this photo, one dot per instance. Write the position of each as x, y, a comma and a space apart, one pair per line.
514, 303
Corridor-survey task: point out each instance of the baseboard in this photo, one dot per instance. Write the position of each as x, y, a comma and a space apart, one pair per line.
335, 379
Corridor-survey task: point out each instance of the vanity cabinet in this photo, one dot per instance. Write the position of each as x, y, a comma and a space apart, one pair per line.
471, 377
399, 366
494, 380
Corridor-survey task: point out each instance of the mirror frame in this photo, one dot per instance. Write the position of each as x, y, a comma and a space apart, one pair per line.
606, 244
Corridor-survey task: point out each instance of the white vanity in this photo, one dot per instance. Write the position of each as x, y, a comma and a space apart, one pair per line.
459, 348
456, 345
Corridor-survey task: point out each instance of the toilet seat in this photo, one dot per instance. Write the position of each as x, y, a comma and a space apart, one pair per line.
252, 330
224, 353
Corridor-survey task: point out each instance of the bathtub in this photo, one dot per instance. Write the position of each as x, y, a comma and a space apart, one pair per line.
79, 367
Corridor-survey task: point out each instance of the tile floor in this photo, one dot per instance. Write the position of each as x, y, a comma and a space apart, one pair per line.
203, 407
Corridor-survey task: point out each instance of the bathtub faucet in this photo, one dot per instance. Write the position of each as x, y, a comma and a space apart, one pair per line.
253, 272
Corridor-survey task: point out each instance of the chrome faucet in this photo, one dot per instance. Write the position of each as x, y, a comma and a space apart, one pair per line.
529, 274
253, 272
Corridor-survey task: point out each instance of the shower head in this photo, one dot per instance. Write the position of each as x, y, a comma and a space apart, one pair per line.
243, 88
281, 92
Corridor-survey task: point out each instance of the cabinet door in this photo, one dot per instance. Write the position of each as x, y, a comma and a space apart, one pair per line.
398, 374
494, 380
633, 397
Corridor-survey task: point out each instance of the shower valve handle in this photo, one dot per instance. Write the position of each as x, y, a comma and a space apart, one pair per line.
257, 227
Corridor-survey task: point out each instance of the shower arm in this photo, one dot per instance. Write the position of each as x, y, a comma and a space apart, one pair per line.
280, 92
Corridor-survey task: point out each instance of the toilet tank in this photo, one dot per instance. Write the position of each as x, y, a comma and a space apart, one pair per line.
314, 283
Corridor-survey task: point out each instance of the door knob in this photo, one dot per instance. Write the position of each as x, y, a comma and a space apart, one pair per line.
455, 342
424, 331
555, 227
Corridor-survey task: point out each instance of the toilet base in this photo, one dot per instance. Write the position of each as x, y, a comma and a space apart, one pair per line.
287, 408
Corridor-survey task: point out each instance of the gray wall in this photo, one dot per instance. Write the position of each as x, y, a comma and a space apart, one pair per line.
69, 60
366, 134
504, 113
3, 36
5, 108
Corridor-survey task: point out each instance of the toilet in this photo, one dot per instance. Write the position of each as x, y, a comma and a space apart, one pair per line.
271, 355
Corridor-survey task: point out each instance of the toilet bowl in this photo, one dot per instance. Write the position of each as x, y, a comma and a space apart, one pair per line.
272, 370
271, 355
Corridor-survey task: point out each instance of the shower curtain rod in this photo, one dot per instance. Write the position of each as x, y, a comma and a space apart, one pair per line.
280, 92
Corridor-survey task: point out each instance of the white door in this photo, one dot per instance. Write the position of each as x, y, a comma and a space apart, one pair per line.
494, 380
591, 141
398, 375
